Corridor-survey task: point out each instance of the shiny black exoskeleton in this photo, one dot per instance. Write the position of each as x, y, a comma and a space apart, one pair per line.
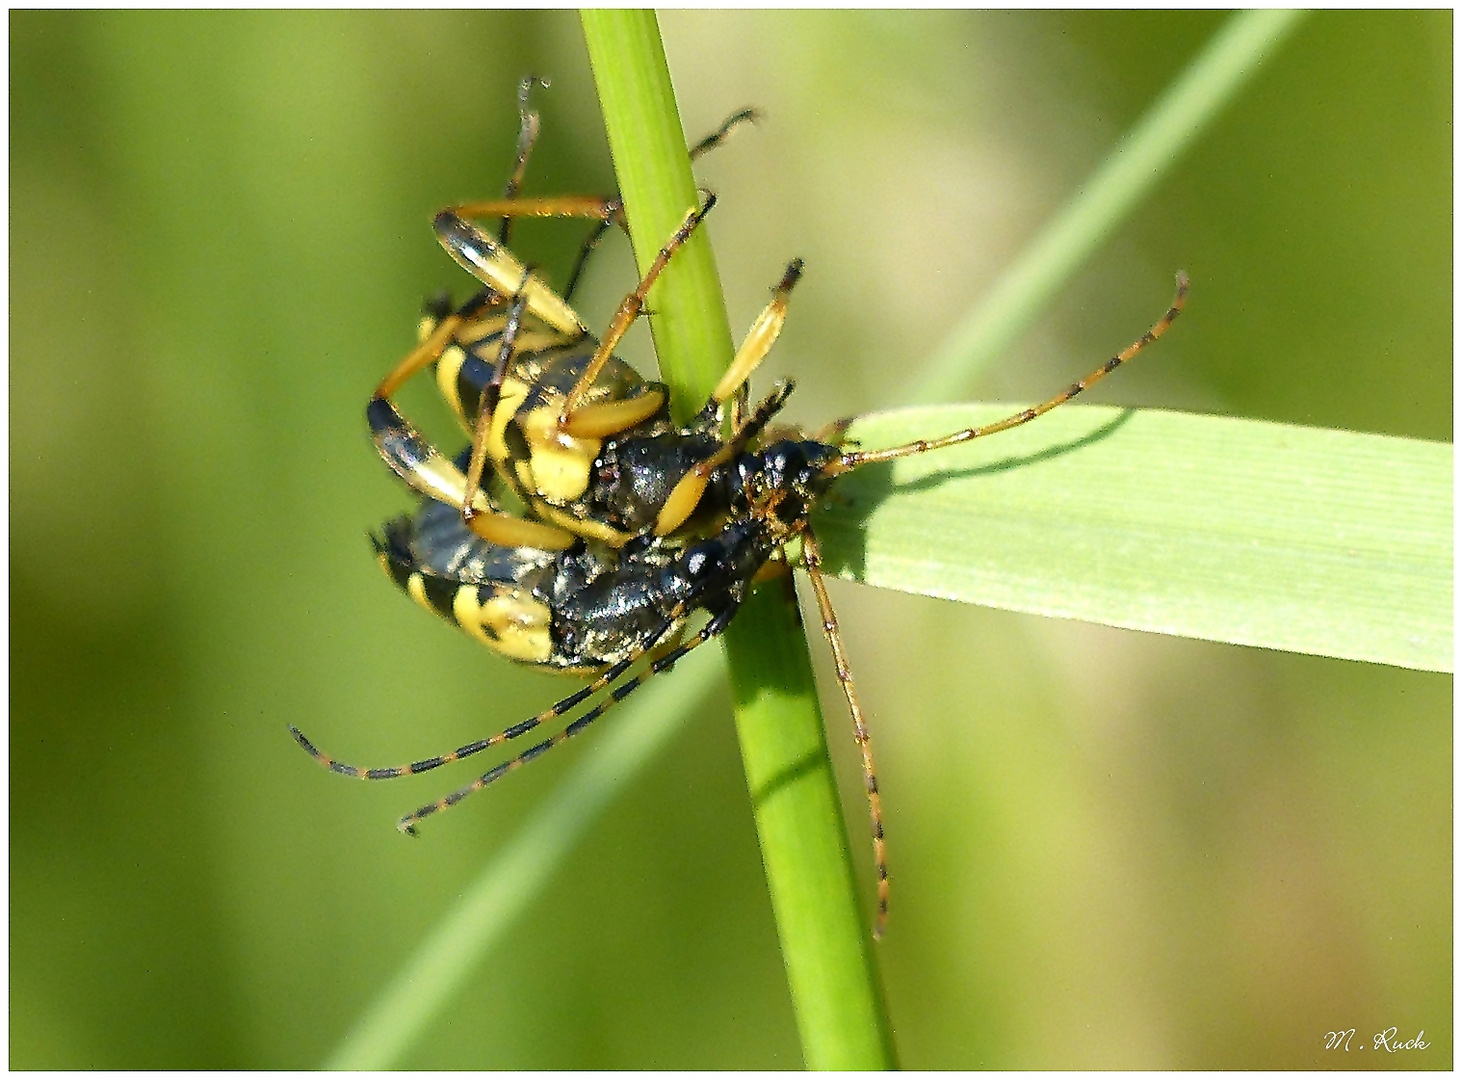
589, 607
636, 476
633, 476
769, 495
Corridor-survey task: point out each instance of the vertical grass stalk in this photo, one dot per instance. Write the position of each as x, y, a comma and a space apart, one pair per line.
823, 932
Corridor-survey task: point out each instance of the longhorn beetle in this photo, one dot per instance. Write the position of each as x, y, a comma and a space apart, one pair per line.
564, 594
549, 406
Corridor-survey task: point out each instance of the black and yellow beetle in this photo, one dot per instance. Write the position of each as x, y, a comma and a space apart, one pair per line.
633, 525
581, 439
596, 609
588, 609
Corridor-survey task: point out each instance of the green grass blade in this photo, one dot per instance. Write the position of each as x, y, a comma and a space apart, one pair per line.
824, 939
1143, 157
1309, 540
490, 905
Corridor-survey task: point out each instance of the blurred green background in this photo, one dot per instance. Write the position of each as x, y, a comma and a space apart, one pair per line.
1109, 849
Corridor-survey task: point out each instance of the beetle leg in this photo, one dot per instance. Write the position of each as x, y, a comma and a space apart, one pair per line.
528, 128
495, 266
760, 338
590, 243
629, 310
418, 463
439, 335
705, 146
728, 125
812, 561
487, 405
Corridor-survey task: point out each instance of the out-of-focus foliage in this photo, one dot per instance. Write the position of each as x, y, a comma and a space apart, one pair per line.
1109, 849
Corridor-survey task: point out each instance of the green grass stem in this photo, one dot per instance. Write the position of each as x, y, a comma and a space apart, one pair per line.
823, 933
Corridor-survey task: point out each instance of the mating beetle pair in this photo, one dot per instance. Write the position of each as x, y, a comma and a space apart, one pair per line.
632, 525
